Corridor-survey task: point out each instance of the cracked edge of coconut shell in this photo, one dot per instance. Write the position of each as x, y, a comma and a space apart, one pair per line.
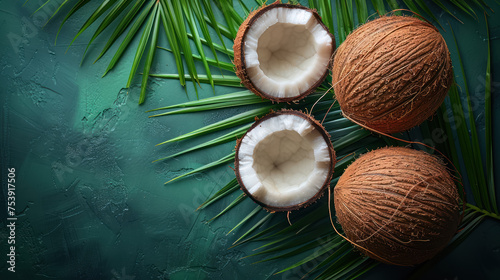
326, 136
239, 58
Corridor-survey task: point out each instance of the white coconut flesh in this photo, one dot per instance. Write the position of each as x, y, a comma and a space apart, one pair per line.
284, 161
287, 51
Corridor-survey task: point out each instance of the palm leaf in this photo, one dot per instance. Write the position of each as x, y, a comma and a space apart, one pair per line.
469, 144
175, 13
186, 7
120, 28
73, 10
393, 4
210, 19
105, 5
255, 226
237, 201
150, 54
301, 247
236, 120
232, 18
428, 11
231, 136
442, 6
379, 6
110, 17
152, 20
244, 7
198, 11
226, 190
230, 81
223, 160
362, 11
172, 39
488, 127
221, 48
239, 98
325, 9
130, 35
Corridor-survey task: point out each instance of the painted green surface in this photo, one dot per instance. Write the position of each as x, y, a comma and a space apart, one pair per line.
90, 202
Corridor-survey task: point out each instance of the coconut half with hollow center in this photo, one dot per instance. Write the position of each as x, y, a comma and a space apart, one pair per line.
282, 52
284, 161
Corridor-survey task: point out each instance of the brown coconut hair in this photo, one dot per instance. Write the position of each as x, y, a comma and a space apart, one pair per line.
398, 205
392, 73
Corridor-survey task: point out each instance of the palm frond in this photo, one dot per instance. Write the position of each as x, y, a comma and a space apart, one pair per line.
73, 10
175, 49
105, 5
224, 191
237, 201
324, 8
153, 32
362, 11
226, 159
212, 21
255, 226
131, 33
175, 17
230, 136
228, 81
123, 25
198, 12
469, 144
239, 98
236, 120
379, 6
490, 173
186, 7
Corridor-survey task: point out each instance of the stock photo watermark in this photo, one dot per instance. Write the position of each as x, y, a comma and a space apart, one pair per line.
31, 26
11, 218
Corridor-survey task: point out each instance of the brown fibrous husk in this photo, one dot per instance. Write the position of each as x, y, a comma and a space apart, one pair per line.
239, 58
398, 205
392, 73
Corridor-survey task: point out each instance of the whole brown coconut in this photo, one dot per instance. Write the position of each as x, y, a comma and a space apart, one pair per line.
282, 52
392, 73
400, 206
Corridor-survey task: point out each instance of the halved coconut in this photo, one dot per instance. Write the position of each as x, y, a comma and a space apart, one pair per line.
282, 52
284, 161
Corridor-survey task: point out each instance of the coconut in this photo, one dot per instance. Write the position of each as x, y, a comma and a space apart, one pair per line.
282, 52
284, 161
392, 73
400, 206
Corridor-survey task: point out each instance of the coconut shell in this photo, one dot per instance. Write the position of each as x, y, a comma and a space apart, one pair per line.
239, 57
392, 73
400, 206
331, 152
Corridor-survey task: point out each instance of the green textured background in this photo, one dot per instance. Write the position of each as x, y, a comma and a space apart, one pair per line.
90, 202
